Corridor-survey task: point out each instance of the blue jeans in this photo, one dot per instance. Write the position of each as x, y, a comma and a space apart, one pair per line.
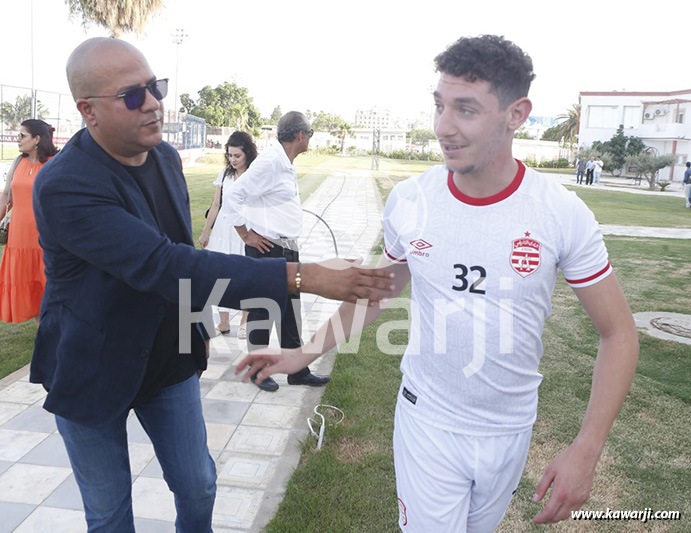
100, 461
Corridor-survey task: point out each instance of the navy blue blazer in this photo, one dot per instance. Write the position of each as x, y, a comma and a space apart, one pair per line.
111, 276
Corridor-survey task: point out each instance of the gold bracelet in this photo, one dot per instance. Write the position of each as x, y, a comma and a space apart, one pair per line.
298, 279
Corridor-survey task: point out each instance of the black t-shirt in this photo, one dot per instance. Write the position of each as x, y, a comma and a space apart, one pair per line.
166, 365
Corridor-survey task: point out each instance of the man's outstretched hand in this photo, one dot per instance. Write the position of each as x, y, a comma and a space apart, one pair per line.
265, 362
347, 280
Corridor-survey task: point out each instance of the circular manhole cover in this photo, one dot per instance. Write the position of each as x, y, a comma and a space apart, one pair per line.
674, 325
668, 326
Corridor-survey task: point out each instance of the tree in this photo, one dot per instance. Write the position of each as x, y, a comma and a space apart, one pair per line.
186, 103
326, 122
13, 114
551, 134
117, 16
341, 131
567, 130
275, 115
619, 147
334, 124
227, 105
648, 166
522, 133
421, 138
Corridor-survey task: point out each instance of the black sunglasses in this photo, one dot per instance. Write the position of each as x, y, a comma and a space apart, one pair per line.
134, 98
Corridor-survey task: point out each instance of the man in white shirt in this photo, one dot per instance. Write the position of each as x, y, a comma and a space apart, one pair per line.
597, 170
482, 238
268, 190
589, 167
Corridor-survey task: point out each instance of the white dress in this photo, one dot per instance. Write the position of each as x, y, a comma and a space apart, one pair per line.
223, 236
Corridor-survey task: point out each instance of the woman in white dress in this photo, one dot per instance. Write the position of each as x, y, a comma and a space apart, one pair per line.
219, 234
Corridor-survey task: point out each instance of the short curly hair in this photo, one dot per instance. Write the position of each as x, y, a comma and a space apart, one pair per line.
507, 68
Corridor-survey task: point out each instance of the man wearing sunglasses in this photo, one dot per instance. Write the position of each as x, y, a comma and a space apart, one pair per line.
268, 192
113, 215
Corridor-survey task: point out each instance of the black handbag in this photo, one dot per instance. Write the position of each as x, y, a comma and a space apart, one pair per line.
5, 222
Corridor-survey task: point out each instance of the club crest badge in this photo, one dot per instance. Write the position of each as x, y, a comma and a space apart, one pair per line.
525, 255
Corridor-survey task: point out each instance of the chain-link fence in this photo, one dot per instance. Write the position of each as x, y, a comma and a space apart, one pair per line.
58, 110
184, 131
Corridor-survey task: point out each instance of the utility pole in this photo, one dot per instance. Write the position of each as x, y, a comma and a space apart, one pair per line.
375, 148
178, 38
33, 89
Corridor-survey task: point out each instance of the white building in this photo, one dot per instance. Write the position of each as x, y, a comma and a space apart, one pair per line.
390, 139
659, 119
530, 149
373, 118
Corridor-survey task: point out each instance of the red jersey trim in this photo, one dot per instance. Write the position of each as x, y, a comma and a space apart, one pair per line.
589, 278
502, 195
394, 259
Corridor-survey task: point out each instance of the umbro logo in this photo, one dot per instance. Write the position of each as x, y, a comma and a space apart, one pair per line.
420, 244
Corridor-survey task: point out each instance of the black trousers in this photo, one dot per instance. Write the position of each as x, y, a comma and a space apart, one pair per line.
290, 325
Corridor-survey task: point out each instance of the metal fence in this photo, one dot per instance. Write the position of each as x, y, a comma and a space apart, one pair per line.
58, 110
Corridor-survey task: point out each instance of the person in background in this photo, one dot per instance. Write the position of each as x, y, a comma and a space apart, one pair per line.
580, 170
22, 280
597, 170
687, 185
219, 233
589, 166
273, 222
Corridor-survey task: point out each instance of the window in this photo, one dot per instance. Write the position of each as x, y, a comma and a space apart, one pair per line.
600, 116
680, 116
632, 116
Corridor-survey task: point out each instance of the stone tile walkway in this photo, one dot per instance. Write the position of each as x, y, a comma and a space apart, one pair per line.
254, 436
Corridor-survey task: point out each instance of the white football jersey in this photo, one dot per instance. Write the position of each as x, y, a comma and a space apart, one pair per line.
483, 272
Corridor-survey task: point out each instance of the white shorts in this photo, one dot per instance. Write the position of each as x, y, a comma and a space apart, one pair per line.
449, 482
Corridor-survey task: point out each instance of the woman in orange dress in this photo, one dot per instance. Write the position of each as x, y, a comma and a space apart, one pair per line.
22, 279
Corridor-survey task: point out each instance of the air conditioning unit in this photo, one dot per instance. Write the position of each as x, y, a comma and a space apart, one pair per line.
660, 112
648, 115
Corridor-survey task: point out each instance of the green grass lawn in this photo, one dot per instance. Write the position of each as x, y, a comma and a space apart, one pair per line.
629, 209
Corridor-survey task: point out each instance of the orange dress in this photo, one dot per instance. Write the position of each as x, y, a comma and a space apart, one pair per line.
22, 276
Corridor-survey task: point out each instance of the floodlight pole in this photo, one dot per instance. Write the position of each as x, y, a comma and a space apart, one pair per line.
33, 90
178, 38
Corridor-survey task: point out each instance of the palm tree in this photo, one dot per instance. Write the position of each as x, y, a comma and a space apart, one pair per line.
341, 131
118, 16
14, 114
567, 130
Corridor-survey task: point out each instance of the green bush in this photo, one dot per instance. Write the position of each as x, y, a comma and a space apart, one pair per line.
404, 154
554, 163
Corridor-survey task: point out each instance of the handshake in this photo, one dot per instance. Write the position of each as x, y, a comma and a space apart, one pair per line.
341, 279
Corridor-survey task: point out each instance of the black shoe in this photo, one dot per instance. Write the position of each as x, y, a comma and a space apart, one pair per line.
312, 380
268, 385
